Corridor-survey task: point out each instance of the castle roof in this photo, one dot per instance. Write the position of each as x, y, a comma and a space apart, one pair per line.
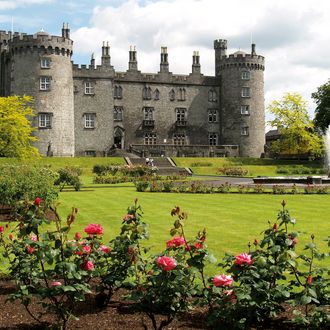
239, 52
41, 33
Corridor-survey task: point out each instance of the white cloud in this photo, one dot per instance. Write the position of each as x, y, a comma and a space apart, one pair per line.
292, 35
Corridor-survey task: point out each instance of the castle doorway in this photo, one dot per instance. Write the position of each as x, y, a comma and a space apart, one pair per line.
118, 139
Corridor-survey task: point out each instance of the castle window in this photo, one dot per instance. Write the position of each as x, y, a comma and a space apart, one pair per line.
45, 120
150, 138
45, 63
179, 139
180, 114
212, 95
146, 93
246, 75
246, 92
118, 113
172, 95
118, 92
213, 139
89, 88
148, 113
245, 109
156, 95
244, 131
182, 94
212, 115
45, 83
89, 120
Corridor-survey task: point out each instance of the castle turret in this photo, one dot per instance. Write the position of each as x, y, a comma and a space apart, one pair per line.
242, 114
164, 67
106, 59
132, 64
196, 67
41, 67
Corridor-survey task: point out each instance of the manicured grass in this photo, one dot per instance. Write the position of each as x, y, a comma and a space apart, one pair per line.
255, 166
231, 220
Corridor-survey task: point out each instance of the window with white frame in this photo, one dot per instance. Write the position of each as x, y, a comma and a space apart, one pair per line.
89, 88
213, 139
246, 75
180, 114
45, 120
118, 92
118, 113
148, 113
245, 109
245, 130
150, 138
179, 139
212, 95
89, 119
45, 83
45, 63
246, 92
212, 115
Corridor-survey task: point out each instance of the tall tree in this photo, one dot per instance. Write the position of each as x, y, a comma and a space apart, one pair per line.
296, 129
322, 111
15, 127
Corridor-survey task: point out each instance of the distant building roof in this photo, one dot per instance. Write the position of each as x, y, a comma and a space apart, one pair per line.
273, 132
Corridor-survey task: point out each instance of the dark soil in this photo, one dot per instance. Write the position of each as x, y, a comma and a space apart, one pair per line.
119, 314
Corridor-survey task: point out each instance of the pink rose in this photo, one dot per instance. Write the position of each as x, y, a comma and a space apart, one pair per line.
87, 249
243, 258
128, 217
77, 236
104, 249
2, 229
34, 238
198, 245
175, 241
167, 263
94, 229
87, 265
222, 280
37, 201
55, 283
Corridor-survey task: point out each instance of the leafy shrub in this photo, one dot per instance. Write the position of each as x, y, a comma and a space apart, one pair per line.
69, 176
259, 189
279, 189
141, 185
243, 189
25, 182
232, 171
224, 187
201, 164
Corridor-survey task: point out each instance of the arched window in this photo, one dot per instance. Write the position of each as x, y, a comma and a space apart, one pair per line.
156, 94
212, 95
182, 94
146, 93
118, 92
172, 95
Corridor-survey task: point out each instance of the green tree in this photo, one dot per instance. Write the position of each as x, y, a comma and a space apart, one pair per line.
295, 127
15, 127
322, 111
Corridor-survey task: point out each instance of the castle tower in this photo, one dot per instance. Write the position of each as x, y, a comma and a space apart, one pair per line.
242, 113
41, 67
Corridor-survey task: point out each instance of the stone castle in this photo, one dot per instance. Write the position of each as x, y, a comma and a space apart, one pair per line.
93, 110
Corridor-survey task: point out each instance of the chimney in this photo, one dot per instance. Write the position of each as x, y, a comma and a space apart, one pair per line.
132, 64
164, 67
196, 67
66, 31
105, 59
253, 49
92, 65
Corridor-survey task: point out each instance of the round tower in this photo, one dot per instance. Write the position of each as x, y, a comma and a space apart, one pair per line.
242, 108
41, 67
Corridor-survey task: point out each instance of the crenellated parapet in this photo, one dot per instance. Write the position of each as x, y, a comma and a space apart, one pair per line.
241, 59
40, 42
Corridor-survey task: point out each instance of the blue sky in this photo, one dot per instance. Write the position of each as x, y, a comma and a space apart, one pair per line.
292, 35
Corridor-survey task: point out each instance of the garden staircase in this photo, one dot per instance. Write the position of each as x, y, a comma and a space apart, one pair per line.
165, 165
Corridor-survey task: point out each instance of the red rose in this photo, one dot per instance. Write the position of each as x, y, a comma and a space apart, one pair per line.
77, 236
275, 227
2, 229
175, 241
167, 263
87, 265
94, 229
222, 280
87, 249
30, 249
243, 258
104, 249
198, 245
11, 237
309, 280
37, 201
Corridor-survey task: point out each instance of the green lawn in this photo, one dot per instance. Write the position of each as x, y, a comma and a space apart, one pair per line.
231, 220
